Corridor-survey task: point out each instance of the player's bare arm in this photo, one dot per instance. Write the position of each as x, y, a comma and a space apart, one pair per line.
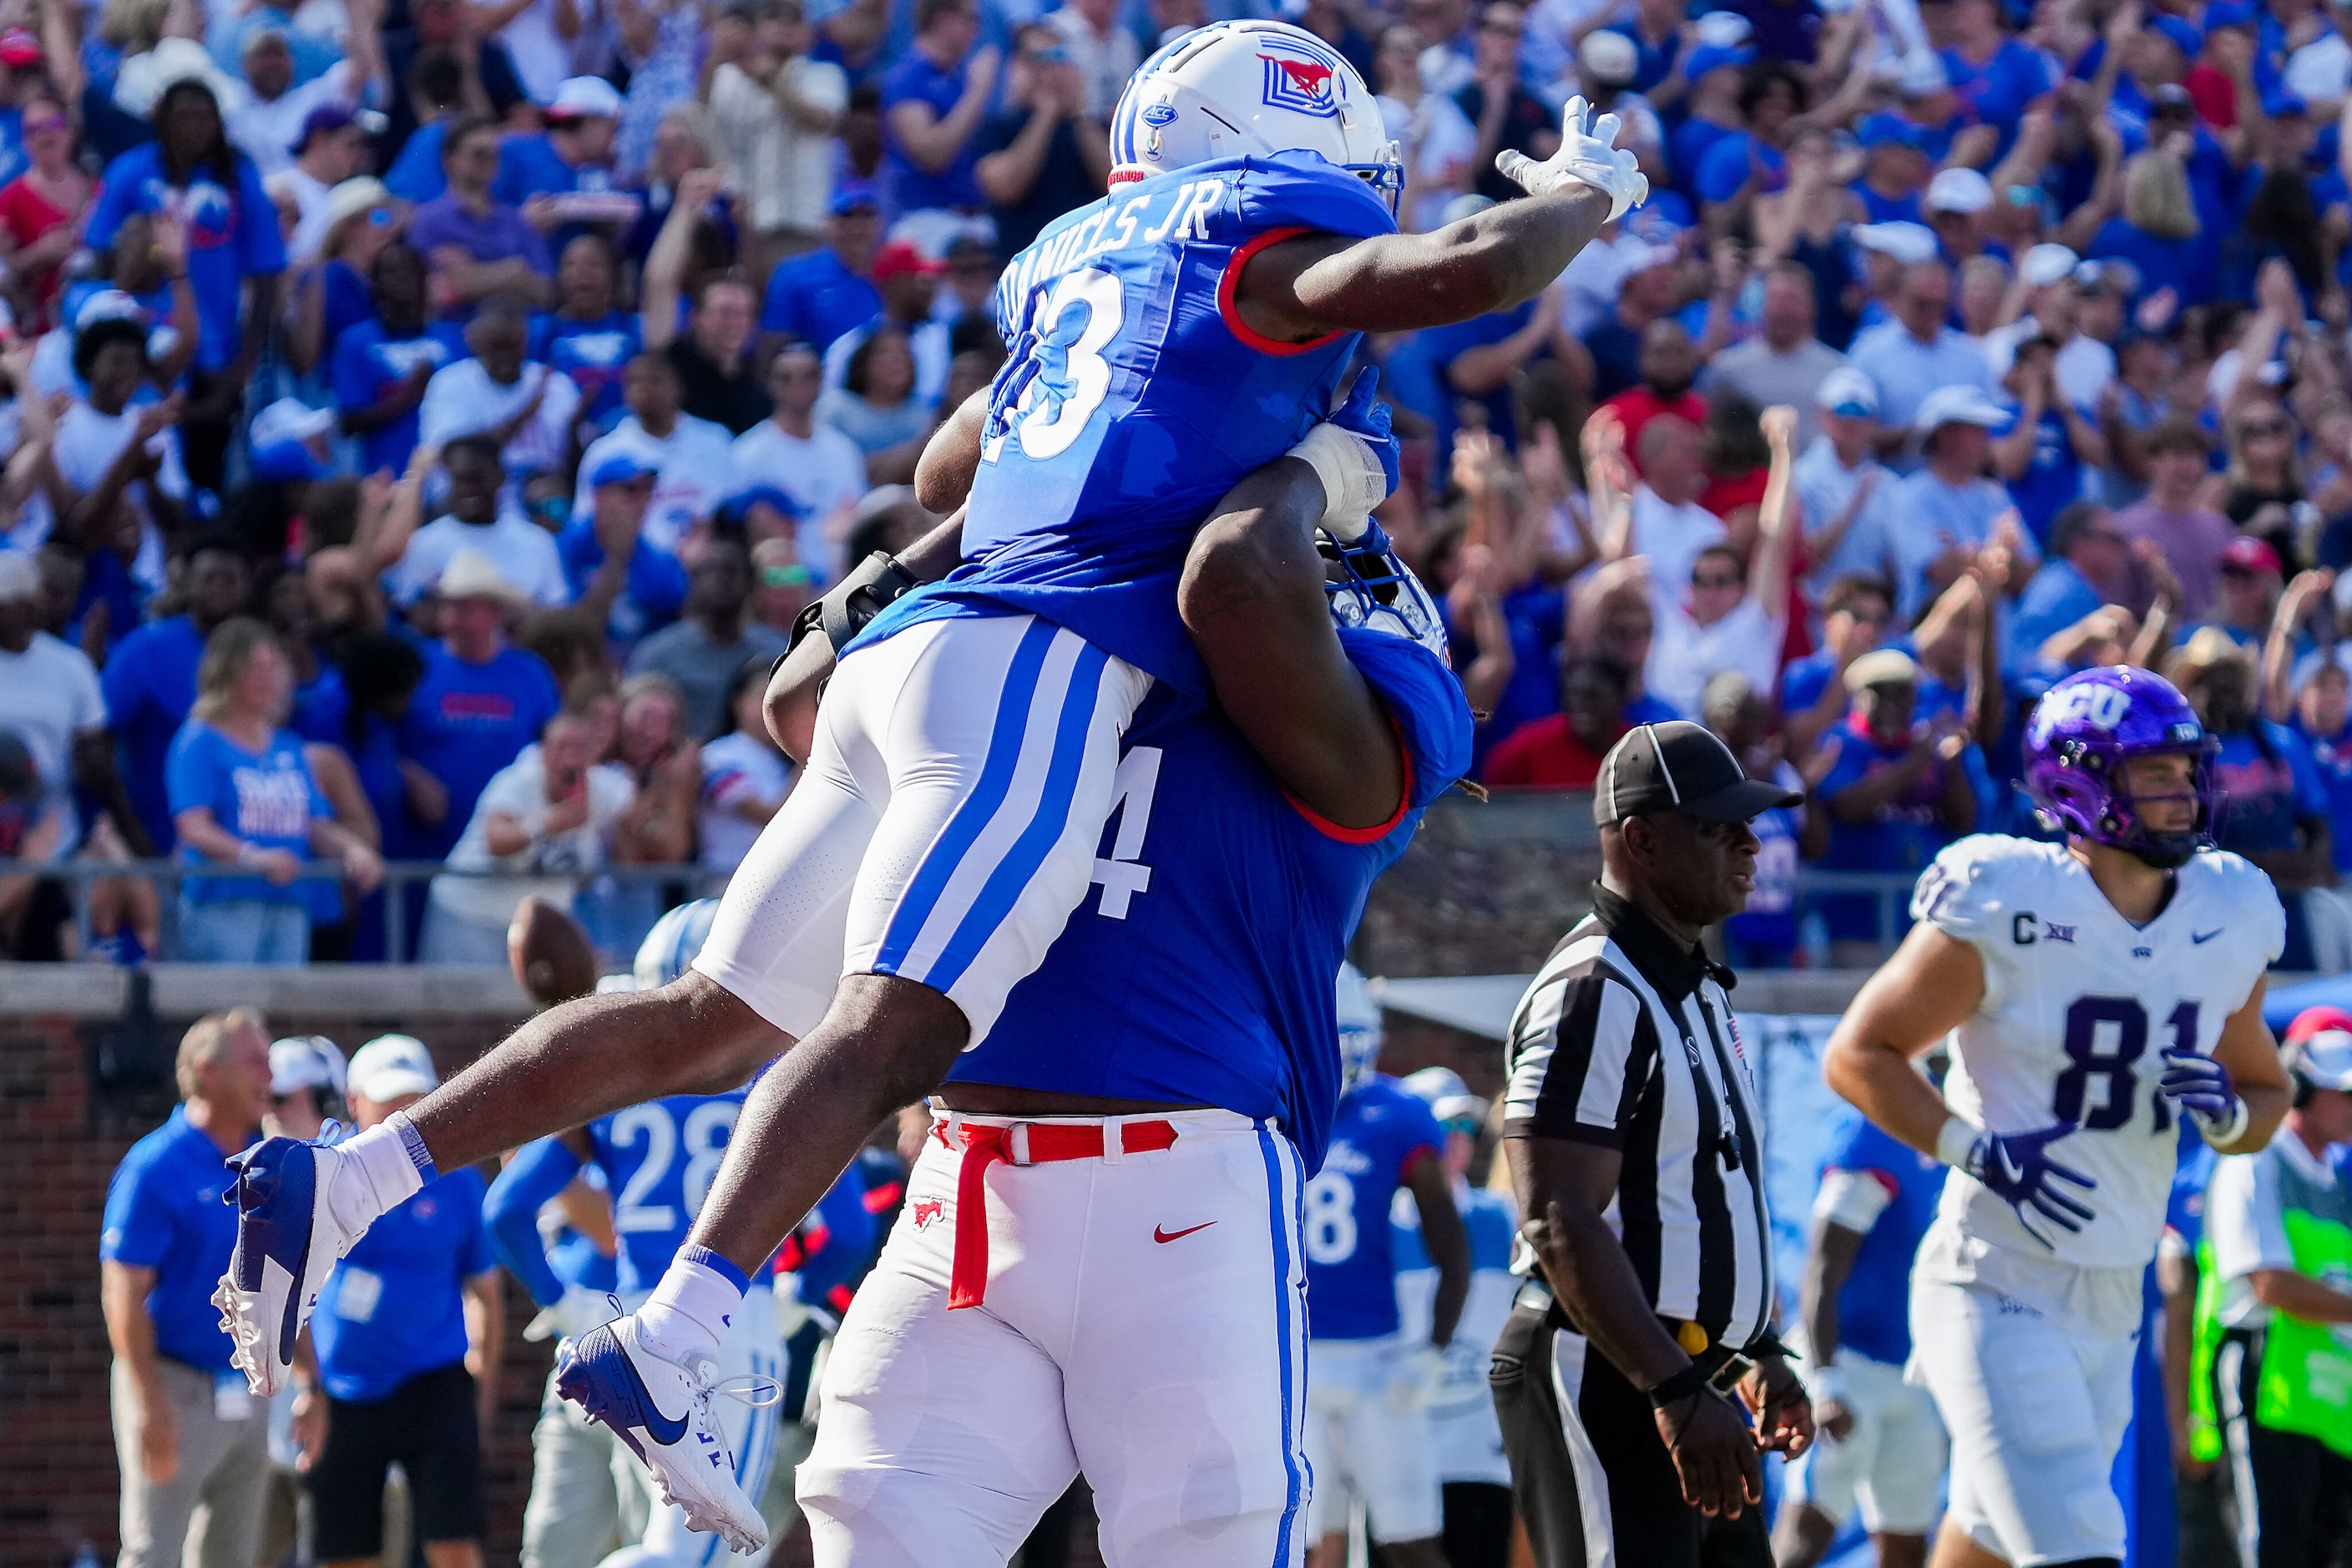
1828, 1261
2249, 1053
943, 475
1918, 996
1569, 1187
1445, 1239
798, 679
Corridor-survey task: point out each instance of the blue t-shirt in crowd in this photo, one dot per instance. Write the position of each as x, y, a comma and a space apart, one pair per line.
1768, 926
2268, 783
347, 301
2053, 478
267, 798
2058, 596
1803, 680
593, 354
1536, 616
529, 166
1350, 1263
906, 185
2332, 755
1875, 1304
149, 684
396, 1305
1997, 92
1687, 145
368, 363
232, 234
654, 595
12, 158
1725, 167
416, 176
2183, 266
1446, 345
469, 720
164, 1211
1902, 835
817, 298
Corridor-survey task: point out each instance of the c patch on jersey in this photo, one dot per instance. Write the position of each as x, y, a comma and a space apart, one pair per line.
1298, 81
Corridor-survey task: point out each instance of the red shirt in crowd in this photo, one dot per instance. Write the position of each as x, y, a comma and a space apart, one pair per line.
1542, 754
1638, 408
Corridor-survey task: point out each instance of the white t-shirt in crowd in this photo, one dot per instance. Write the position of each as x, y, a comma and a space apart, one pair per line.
1671, 536
542, 56
1437, 143
737, 767
931, 343
48, 695
309, 194
824, 471
786, 168
519, 790
524, 552
1685, 656
1825, 488
695, 470
461, 399
266, 130
86, 446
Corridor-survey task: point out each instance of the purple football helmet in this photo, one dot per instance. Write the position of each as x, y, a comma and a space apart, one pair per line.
2082, 732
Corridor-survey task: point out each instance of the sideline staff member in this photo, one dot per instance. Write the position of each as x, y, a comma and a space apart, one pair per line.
1629, 1084
190, 1441
2280, 1227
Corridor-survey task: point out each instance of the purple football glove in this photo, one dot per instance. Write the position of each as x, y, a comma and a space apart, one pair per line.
2016, 1168
2200, 1087
1361, 415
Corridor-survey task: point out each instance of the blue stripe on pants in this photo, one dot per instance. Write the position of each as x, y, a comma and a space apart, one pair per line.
1022, 861
922, 894
1286, 1262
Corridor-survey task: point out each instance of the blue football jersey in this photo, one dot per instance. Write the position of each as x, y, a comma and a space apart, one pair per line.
1135, 397
1874, 1307
1352, 1261
659, 1160
1199, 971
1489, 1217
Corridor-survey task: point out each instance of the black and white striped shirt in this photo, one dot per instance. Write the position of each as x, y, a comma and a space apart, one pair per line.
1626, 1040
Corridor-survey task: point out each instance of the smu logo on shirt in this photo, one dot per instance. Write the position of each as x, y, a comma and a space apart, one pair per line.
273, 803
399, 358
207, 210
1307, 85
476, 710
1347, 1160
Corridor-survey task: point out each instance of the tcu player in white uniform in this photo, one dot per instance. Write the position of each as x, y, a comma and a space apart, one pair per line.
2094, 992
1165, 343
1368, 1388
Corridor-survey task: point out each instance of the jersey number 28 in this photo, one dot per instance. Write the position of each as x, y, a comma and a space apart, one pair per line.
2105, 1035
705, 1135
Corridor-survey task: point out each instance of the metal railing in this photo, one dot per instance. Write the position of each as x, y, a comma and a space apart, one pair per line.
1891, 890
403, 880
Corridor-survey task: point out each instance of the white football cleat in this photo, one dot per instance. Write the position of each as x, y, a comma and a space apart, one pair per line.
287, 1244
662, 1410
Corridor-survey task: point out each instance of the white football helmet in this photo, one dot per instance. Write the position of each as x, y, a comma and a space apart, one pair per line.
1378, 591
1359, 1026
1246, 89
669, 949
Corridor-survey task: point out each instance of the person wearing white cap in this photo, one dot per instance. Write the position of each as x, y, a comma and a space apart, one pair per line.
1955, 207
1948, 509
1785, 362
1917, 352
408, 1332
2278, 1333
307, 1082
1846, 498
481, 520
573, 156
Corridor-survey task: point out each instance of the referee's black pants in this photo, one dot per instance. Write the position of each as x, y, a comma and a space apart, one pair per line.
2294, 1492
1591, 1476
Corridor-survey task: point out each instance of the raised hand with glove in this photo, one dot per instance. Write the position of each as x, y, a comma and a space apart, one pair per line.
1588, 155
2201, 1090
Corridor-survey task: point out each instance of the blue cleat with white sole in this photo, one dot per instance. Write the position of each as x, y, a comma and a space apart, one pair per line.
662, 1410
287, 1244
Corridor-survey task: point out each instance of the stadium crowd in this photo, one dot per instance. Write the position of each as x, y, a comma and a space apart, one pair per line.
428, 418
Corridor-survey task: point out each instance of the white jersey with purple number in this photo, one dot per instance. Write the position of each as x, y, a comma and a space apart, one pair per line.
2079, 1006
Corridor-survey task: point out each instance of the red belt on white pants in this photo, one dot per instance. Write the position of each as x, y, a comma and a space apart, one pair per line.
1022, 1144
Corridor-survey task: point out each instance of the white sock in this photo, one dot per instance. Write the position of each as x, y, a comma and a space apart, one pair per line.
690, 1311
382, 1168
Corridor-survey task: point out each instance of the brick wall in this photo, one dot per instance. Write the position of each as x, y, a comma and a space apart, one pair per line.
60, 1142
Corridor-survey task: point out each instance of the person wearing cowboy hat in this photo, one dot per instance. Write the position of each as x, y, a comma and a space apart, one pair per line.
478, 519
336, 246
481, 701
1949, 510
332, 151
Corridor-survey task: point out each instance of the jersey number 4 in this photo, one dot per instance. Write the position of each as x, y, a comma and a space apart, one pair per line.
2105, 1035
705, 1137
1059, 376
1122, 876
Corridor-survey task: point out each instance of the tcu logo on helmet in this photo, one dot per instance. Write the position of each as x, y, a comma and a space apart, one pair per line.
2101, 707
1304, 85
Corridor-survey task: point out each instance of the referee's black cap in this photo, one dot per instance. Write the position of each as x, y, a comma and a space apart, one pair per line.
1680, 766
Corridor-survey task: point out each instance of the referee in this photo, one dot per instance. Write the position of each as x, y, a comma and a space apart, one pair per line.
1633, 1139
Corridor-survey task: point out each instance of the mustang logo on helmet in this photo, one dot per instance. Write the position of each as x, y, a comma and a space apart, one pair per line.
1303, 85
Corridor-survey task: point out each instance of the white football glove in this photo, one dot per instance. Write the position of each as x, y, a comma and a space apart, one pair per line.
579, 1312
1413, 1380
1587, 155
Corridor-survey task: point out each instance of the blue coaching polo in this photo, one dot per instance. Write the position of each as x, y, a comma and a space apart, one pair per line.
164, 1211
